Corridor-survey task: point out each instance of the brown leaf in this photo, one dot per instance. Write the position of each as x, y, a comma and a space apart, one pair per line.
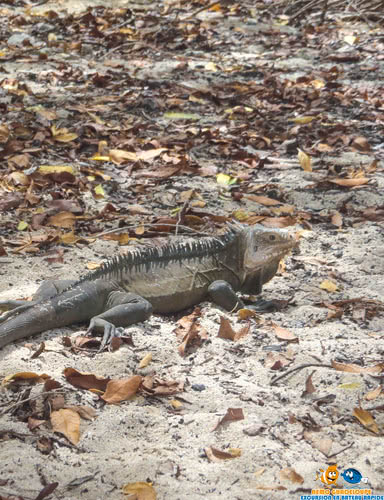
366, 419
263, 200
63, 219
375, 393
361, 144
337, 219
309, 387
215, 455
85, 412
191, 332
276, 361
350, 183
44, 445
57, 402
140, 490
319, 442
160, 387
120, 390
46, 491
291, 475
85, 380
67, 422
352, 368
305, 161
33, 423
227, 332
232, 415
279, 222
282, 333
31, 377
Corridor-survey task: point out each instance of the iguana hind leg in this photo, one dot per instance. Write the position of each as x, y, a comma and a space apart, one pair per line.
46, 290
122, 309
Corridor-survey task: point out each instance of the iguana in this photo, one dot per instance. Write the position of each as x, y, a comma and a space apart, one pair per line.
128, 288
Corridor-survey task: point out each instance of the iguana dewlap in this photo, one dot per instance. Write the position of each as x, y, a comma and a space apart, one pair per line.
168, 279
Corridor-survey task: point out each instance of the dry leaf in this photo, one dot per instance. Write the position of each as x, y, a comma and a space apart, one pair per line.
146, 360
141, 490
282, 333
359, 181
120, 390
63, 219
309, 387
329, 286
215, 455
291, 475
67, 422
321, 443
24, 376
337, 219
227, 332
366, 419
305, 161
375, 393
85, 380
352, 368
232, 415
263, 200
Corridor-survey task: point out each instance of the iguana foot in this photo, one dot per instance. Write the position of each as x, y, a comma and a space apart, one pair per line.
110, 331
264, 306
122, 309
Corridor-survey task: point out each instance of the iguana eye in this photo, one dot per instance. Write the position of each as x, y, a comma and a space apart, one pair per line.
272, 237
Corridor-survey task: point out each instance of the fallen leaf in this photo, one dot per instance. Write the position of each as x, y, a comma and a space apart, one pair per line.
66, 422
85, 380
141, 490
146, 360
366, 419
319, 442
227, 332
305, 161
359, 181
375, 393
215, 455
24, 376
232, 415
329, 286
291, 475
352, 368
282, 333
122, 389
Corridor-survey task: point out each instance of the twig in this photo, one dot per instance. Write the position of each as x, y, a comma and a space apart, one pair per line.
207, 7
45, 393
324, 12
307, 365
341, 451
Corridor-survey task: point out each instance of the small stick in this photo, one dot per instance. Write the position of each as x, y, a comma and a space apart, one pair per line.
307, 365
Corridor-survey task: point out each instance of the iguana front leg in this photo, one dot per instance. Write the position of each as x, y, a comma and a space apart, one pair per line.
46, 290
222, 294
122, 309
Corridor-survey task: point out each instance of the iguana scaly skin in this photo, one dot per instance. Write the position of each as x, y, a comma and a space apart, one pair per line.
128, 288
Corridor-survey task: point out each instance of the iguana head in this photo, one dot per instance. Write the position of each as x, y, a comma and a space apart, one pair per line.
263, 251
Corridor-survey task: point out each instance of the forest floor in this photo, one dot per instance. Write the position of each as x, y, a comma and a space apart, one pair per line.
139, 116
